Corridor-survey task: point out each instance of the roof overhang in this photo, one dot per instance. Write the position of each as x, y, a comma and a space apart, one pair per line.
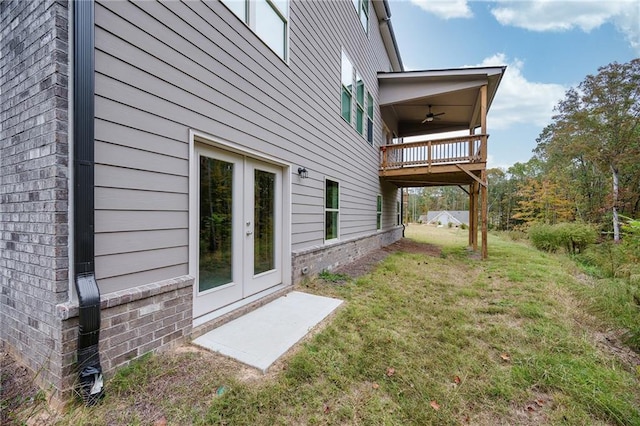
404, 98
383, 12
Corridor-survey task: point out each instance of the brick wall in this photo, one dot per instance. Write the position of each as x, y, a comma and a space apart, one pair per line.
148, 318
329, 257
33, 180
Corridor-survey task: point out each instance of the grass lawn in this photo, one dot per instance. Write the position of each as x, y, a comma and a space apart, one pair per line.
423, 339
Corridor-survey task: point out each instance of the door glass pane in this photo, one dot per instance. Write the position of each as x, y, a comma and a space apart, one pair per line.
216, 201
263, 218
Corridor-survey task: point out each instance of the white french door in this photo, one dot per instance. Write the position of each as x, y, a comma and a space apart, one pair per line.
240, 223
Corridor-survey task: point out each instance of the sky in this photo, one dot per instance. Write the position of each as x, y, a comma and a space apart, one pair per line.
548, 47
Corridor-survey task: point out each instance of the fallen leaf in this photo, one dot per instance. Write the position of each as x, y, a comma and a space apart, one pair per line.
160, 422
530, 408
505, 356
434, 405
539, 402
326, 409
375, 386
456, 380
391, 371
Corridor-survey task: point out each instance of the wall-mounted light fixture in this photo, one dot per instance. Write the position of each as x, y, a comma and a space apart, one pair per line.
303, 173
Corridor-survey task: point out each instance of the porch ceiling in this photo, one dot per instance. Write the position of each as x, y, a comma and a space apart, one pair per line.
404, 98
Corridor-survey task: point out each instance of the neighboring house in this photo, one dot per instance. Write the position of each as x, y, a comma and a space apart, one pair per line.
164, 166
444, 217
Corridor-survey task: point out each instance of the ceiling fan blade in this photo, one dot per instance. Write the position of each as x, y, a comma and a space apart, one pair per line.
439, 113
425, 120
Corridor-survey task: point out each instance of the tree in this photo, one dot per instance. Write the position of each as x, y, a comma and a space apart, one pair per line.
599, 124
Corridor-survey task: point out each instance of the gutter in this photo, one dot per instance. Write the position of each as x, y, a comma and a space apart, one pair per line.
388, 35
90, 381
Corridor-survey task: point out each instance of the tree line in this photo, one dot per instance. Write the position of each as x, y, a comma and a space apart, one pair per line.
586, 165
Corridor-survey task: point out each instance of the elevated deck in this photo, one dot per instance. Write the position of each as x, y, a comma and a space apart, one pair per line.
437, 162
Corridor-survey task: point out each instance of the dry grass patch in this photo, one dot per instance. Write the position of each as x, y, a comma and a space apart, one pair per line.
431, 335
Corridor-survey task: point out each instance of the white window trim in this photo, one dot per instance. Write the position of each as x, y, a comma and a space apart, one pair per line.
324, 229
358, 5
360, 107
250, 21
379, 212
351, 91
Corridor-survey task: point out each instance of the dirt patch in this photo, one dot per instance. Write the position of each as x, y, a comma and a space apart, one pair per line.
611, 342
18, 391
367, 263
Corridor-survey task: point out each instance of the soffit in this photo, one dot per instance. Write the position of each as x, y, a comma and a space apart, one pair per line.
404, 98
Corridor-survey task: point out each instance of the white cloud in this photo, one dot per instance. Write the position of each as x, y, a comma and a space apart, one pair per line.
519, 101
554, 15
445, 9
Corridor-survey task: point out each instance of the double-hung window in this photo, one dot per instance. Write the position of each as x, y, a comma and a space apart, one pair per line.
369, 118
379, 212
269, 19
362, 7
347, 87
359, 104
332, 210
398, 216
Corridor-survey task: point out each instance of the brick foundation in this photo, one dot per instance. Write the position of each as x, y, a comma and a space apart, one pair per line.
328, 257
148, 318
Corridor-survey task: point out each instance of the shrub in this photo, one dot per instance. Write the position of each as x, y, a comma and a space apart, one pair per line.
604, 260
464, 226
575, 237
544, 237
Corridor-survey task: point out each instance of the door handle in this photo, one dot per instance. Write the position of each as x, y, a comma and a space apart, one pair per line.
249, 232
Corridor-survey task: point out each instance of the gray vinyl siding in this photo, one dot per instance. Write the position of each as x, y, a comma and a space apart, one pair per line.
163, 69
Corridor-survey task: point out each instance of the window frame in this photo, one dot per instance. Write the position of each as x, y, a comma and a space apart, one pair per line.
346, 90
335, 210
360, 90
379, 202
250, 21
369, 118
398, 213
363, 11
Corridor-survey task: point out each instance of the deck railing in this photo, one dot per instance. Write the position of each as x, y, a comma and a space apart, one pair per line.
458, 150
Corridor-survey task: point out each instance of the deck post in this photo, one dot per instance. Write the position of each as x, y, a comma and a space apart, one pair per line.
474, 214
471, 214
483, 174
484, 213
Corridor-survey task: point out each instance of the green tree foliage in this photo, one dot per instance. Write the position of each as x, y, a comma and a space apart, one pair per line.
596, 133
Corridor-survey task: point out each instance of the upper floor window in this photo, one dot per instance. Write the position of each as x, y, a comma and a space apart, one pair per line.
369, 118
359, 104
362, 7
269, 19
347, 87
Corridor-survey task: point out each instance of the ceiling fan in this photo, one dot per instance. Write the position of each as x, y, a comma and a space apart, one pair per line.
431, 116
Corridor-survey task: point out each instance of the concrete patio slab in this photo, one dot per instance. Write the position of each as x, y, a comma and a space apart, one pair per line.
262, 336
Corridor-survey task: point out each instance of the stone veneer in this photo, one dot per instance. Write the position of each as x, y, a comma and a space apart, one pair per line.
329, 257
